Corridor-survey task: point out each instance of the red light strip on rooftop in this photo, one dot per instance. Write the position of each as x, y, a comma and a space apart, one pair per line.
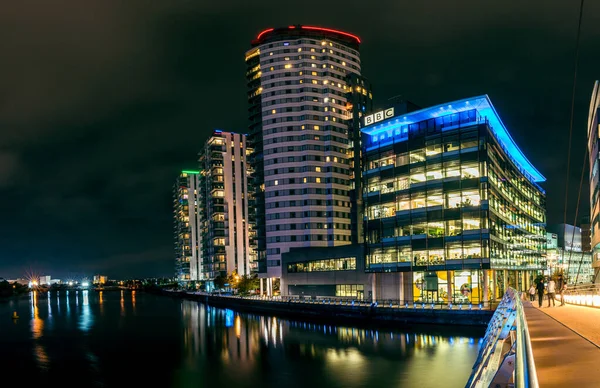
264, 32
330, 30
314, 29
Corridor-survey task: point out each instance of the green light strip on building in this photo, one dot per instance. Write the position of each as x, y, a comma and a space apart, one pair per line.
190, 172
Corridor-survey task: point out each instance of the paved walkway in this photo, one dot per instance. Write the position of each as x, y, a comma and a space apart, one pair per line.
565, 342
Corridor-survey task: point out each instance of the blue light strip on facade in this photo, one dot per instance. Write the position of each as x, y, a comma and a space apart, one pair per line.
485, 108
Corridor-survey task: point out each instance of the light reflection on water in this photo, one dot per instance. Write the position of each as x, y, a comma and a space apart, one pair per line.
86, 318
333, 356
100, 334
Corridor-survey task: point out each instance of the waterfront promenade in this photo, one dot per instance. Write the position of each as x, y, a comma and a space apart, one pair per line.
343, 311
566, 344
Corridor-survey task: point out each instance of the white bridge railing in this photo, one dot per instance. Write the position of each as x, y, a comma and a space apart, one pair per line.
583, 295
505, 358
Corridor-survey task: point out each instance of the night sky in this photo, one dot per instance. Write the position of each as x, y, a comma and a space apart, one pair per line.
102, 103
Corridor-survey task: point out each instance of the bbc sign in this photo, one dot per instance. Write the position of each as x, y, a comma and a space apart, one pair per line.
379, 116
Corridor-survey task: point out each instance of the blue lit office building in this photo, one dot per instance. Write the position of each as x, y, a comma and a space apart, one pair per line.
453, 209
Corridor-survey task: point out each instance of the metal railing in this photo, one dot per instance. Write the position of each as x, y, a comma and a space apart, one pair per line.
505, 358
583, 295
355, 302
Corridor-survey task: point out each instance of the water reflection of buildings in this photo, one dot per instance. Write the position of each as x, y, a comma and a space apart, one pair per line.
194, 332
101, 302
86, 318
37, 331
246, 344
122, 303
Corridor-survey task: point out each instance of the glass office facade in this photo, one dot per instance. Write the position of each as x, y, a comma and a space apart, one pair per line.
448, 199
593, 132
337, 264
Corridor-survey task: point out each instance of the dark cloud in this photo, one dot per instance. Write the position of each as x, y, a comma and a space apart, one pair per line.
101, 104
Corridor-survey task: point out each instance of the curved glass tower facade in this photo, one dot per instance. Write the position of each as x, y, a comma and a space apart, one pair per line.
299, 130
451, 203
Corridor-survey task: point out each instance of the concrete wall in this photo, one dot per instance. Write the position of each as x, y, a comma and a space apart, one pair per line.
393, 285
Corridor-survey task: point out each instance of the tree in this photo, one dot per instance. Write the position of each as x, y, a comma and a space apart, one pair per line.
219, 282
248, 283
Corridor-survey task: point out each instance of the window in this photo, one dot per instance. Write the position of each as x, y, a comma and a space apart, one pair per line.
468, 140
419, 228
435, 198
453, 227
470, 170
417, 156
433, 147
402, 183
471, 222
436, 257
403, 202
452, 169
381, 210
454, 251
417, 201
404, 254
472, 250
387, 160
453, 200
435, 229
434, 172
349, 290
323, 265
451, 143
470, 198
417, 175
402, 159
420, 257
403, 231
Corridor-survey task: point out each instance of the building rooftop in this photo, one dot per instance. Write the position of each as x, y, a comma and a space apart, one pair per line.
298, 29
486, 109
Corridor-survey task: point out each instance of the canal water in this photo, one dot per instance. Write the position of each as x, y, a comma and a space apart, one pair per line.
133, 339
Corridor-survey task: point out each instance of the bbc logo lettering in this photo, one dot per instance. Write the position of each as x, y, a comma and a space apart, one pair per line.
379, 116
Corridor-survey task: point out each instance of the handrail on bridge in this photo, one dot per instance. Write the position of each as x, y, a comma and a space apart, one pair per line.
506, 358
587, 294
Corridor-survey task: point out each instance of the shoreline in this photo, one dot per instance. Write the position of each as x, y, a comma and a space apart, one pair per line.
344, 314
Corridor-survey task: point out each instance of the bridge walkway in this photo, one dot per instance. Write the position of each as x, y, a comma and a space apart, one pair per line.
566, 344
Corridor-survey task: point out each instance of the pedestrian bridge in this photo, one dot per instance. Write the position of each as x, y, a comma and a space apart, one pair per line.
528, 346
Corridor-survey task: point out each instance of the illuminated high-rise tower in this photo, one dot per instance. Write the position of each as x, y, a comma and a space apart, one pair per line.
298, 84
225, 207
185, 219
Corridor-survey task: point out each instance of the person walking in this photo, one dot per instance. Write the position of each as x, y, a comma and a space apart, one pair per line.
562, 293
540, 291
551, 292
532, 293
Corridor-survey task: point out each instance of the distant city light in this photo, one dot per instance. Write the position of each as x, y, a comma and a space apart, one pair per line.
85, 284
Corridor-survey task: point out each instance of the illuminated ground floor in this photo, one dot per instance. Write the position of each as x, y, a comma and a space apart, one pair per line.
444, 287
